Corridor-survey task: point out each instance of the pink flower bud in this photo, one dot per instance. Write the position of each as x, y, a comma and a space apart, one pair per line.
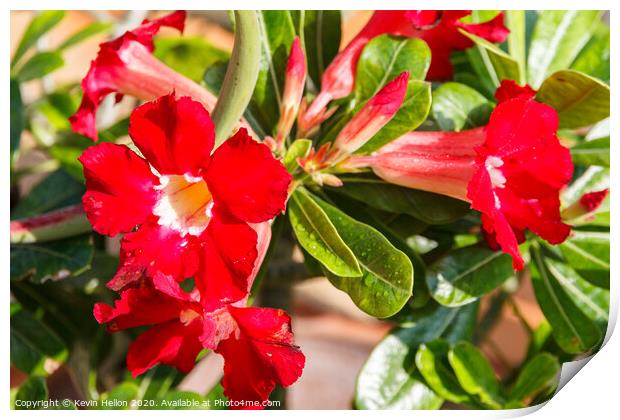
377, 112
295, 79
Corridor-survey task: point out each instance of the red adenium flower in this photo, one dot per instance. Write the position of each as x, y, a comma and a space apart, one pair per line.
440, 30
126, 66
256, 343
510, 170
193, 209
509, 89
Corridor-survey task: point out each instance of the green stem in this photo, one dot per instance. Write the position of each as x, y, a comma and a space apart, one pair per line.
241, 76
58, 224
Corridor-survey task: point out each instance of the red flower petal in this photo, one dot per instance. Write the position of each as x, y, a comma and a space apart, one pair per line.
509, 89
172, 343
154, 248
111, 71
175, 135
592, 200
136, 307
229, 253
119, 188
261, 356
247, 180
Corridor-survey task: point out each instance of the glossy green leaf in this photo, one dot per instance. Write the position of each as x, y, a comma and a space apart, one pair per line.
592, 300
33, 390
32, 343
319, 31
539, 373
57, 190
276, 37
17, 117
85, 33
497, 63
594, 152
317, 235
516, 23
387, 273
430, 208
557, 38
389, 379
594, 58
579, 99
298, 150
475, 374
51, 260
588, 252
189, 56
465, 274
384, 58
456, 107
412, 113
574, 332
432, 362
40, 65
37, 27
120, 397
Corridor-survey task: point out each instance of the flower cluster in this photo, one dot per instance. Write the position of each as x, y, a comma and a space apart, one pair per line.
186, 212
511, 170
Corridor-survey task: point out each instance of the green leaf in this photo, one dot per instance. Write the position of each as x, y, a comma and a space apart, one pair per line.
319, 31
317, 235
276, 37
557, 38
384, 58
538, 374
516, 23
299, 149
432, 362
579, 99
457, 107
475, 374
412, 113
589, 254
498, 65
120, 397
387, 273
594, 152
33, 390
85, 33
574, 332
17, 118
32, 343
57, 190
389, 378
430, 208
51, 260
594, 57
592, 300
38, 27
40, 65
189, 56
465, 274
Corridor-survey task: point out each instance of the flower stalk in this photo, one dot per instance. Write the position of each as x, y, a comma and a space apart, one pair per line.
58, 224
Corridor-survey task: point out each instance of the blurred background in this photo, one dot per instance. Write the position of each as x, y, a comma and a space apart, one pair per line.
334, 334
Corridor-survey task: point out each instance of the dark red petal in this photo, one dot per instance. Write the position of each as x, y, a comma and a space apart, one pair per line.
260, 356
136, 307
509, 89
119, 188
229, 253
154, 248
493, 30
480, 192
175, 135
592, 200
172, 343
247, 180
108, 72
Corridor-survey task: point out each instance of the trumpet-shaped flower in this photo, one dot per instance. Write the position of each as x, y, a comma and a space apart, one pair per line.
192, 209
